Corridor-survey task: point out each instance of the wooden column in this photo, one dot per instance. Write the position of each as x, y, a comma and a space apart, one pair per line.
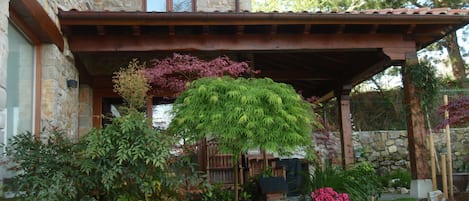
343, 100
415, 124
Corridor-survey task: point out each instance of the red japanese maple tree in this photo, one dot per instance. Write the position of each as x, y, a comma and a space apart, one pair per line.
172, 73
458, 110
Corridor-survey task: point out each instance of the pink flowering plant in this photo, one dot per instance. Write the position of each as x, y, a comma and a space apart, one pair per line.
328, 194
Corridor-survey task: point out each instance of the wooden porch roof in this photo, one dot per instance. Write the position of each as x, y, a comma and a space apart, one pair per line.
317, 53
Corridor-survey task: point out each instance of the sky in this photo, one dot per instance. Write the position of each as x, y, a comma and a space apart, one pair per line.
155, 5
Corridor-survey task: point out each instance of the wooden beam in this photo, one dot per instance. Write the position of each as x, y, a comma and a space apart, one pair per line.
112, 43
415, 125
33, 14
282, 75
273, 29
343, 97
101, 30
136, 31
240, 29
341, 29
307, 29
369, 72
374, 28
398, 53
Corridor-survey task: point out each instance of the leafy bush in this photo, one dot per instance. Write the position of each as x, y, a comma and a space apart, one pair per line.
48, 168
131, 158
360, 182
398, 178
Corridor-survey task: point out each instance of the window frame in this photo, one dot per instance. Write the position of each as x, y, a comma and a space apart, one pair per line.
28, 34
169, 5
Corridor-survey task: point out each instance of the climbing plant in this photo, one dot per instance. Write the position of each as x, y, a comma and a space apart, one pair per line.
423, 76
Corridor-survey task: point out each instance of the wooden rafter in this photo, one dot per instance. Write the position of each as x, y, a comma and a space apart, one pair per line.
175, 42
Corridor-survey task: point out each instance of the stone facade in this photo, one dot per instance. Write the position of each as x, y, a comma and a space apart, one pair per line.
388, 149
222, 5
59, 104
118, 5
4, 13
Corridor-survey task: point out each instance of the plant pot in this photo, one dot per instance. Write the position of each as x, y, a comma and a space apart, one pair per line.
460, 180
273, 185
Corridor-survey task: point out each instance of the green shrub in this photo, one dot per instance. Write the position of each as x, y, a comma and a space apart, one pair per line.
397, 178
360, 182
48, 168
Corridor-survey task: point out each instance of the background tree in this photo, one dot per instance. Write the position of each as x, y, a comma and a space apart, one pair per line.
242, 114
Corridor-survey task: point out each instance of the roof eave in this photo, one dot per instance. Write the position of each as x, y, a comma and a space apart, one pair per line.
231, 18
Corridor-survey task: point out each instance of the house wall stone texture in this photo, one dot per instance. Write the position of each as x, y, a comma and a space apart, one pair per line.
222, 5
4, 13
118, 5
59, 103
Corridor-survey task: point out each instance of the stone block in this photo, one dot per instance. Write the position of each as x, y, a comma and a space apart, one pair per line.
399, 142
390, 142
380, 146
365, 137
419, 188
394, 135
403, 133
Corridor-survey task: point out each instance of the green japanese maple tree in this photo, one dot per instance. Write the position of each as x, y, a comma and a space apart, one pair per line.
242, 114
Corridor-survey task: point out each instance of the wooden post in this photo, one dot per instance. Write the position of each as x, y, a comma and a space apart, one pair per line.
443, 175
448, 150
432, 160
432, 153
415, 125
343, 100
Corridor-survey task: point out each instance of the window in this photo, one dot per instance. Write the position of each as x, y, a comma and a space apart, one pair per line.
20, 81
170, 5
161, 113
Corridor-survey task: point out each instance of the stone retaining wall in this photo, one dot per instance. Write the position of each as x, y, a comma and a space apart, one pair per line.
388, 150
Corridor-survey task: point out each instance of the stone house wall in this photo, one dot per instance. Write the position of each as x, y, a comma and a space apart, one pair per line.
388, 150
4, 13
222, 5
118, 5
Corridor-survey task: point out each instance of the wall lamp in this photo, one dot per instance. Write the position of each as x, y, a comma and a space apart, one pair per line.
72, 84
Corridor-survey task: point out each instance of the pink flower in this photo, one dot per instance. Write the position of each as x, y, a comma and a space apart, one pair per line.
328, 194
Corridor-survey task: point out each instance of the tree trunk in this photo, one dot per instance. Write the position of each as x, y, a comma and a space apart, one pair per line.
457, 63
236, 178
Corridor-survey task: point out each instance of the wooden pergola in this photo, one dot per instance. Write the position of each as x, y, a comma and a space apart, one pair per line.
320, 54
